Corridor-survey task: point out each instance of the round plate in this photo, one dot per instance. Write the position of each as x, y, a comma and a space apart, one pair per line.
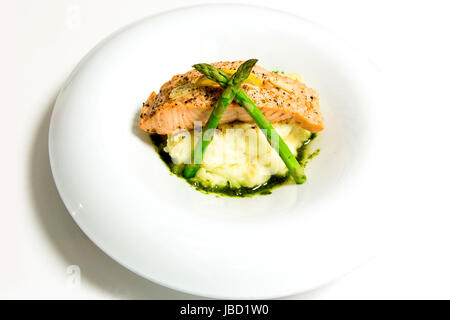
123, 197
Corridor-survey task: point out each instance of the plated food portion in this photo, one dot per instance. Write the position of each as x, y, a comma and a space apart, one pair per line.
234, 128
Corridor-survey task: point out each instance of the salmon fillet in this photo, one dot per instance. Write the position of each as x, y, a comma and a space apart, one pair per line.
180, 102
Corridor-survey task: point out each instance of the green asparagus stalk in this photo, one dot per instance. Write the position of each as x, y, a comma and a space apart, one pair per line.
295, 169
232, 86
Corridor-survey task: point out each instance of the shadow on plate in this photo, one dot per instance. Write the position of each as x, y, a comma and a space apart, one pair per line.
135, 130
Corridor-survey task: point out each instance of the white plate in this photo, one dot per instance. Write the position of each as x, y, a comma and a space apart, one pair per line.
122, 196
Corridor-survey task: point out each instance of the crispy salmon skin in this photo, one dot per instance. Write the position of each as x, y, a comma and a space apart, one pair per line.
181, 102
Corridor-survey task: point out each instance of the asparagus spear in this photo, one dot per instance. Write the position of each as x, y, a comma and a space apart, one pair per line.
233, 84
295, 169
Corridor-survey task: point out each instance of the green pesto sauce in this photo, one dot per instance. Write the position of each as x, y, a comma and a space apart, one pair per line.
303, 153
263, 189
303, 157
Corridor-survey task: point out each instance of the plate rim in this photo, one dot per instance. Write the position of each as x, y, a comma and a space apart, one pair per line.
98, 46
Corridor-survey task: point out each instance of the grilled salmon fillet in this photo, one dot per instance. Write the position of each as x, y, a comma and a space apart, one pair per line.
180, 102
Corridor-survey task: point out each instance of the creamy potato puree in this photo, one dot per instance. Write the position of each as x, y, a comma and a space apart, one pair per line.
239, 155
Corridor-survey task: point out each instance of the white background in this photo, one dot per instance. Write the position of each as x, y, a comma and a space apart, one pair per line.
41, 42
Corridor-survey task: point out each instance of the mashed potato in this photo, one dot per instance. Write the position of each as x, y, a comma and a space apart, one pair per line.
239, 155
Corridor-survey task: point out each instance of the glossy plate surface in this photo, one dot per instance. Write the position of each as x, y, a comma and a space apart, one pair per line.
122, 196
